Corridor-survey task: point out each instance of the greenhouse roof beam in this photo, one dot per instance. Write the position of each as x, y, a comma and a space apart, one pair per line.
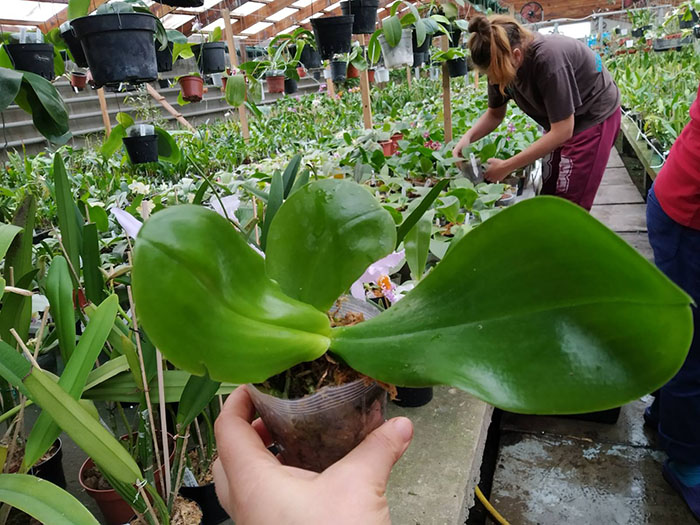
62, 16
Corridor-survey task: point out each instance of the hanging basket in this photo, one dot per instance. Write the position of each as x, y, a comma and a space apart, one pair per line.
73, 44
192, 88
118, 47
365, 12
339, 70
164, 58
310, 58
457, 67
35, 58
210, 57
333, 35
141, 144
399, 56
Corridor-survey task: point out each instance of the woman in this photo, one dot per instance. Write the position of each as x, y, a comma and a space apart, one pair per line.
673, 223
564, 87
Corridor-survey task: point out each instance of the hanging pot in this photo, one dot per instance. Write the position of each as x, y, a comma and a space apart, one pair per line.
290, 86
418, 59
457, 67
78, 80
413, 397
73, 44
365, 12
333, 34
51, 469
275, 84
35, 58
310, 57
382, 75
423, 48
142, 149
370, 75
205, 497
353, 72
192, 88
164, 58
211, 57
399, 56
118, 47
338, 70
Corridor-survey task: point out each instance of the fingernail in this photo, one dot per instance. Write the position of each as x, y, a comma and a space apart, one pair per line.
403, 427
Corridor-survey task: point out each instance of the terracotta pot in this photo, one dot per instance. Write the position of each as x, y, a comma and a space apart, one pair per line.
395, 138
388, 147
78, 80
223, 83
275, 84
192, 88
301, 72
353, 72
370, 75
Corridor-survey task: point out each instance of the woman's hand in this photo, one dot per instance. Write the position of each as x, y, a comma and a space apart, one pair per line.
256, 489
457, 150
496, 170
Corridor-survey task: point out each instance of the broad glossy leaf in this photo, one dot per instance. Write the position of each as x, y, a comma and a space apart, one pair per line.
168, 150
7, 234
13, 367
417, 244
19, 254
420, 32
78, 8
580, 322
374, 50
202, 295
235, 90
10, 82
16, 311
45, 430
43, 500
124, 119
324, 237
290, 174
39, 97
392, 30
59, 292
114, 141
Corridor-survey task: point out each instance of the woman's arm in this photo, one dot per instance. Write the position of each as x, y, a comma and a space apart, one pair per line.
483, 126
559, 133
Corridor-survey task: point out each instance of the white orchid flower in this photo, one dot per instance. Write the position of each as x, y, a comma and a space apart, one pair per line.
378, 272
130, 224
231, 203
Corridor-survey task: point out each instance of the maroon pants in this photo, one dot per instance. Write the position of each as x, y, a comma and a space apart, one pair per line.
574, 170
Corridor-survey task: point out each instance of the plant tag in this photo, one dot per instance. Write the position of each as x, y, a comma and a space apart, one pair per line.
624, 32
629, 43
188, 479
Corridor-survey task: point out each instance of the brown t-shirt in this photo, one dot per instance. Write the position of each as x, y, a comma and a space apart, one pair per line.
561, 76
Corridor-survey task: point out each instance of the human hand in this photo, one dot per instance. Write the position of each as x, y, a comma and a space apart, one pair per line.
256, 489
457, 150
496, 170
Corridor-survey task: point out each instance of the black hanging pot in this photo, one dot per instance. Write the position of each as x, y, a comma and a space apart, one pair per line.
51, 469
418, 59
205, 497
118, 47
413, 397
339, 70
164, 59
423, 48
640, 31
333, 34
290, 86
142, 149
365, 12
35, 58
457, 67
310, 58
211, 57
73, 44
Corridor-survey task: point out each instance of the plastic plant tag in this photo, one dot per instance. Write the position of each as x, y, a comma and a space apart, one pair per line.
188, 479
629, 43
472, 170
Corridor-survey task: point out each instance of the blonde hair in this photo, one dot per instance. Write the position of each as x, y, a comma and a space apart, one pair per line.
491, 44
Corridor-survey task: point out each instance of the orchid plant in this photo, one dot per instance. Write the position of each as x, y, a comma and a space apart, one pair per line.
592, 328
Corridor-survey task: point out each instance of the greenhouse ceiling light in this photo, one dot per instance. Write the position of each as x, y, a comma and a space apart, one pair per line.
216, 23
282, 14
29, 11
247, 8
302, 3
256, 28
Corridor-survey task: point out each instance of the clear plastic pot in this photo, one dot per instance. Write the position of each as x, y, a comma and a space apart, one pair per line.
140, 130
401, 55
382, 75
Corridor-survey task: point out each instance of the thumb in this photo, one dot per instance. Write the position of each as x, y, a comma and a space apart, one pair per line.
373, 459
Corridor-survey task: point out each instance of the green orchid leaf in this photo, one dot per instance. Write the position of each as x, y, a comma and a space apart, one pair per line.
324, 237
235, 90
43, 500
59, 66
38, 97
77, 8
10, 82
176, 36
68, 222
16, 310
45, 430
202, 295
374, 50
420, 32
90, 253
13, 367
19, 254
7, 234
168, 150
216, 35
420, 210
274, 202
124, 119
581, 322
417, 244
290, 173
198, 392
392, 30
114, 141
59, 291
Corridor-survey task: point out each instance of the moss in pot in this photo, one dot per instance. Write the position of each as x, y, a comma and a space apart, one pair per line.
257, 317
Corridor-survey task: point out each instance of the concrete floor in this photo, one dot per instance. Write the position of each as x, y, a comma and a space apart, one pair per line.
552, 471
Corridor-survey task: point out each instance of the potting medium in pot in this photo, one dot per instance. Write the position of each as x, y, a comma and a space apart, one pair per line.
118, 47
35, 58
73, 44
399, 56
211, 57
333, 34
365, 12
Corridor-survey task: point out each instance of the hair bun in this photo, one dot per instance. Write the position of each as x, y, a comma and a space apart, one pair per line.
481, 25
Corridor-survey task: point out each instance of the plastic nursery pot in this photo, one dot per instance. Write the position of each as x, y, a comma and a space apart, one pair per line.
301, 72
205, 496
506, 199
418, 59
457, 67
223, 83
290, 86
164, 59
413, 397
310, 58
192, 88
399, 56
338, 70
333, 34
395, 138
118, 47
316, 431
353, 72
211, 57
275, 84
639, 32
382, 75
423, 48
141, 144
51, 469
370, 75
78, 80
688, 24
365, 12
388, 147
73, 44
36, 58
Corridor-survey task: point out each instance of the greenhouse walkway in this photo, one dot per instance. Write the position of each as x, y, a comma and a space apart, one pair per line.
552, 471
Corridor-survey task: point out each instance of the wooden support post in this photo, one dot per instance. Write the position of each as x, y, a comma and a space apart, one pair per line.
364, 91
242, 113
105, 113
446, 102
408, 75
330, 87
175, 113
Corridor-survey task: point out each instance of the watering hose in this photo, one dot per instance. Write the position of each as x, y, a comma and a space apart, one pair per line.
500, 519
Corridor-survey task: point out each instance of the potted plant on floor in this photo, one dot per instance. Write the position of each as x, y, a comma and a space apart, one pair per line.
313, 256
